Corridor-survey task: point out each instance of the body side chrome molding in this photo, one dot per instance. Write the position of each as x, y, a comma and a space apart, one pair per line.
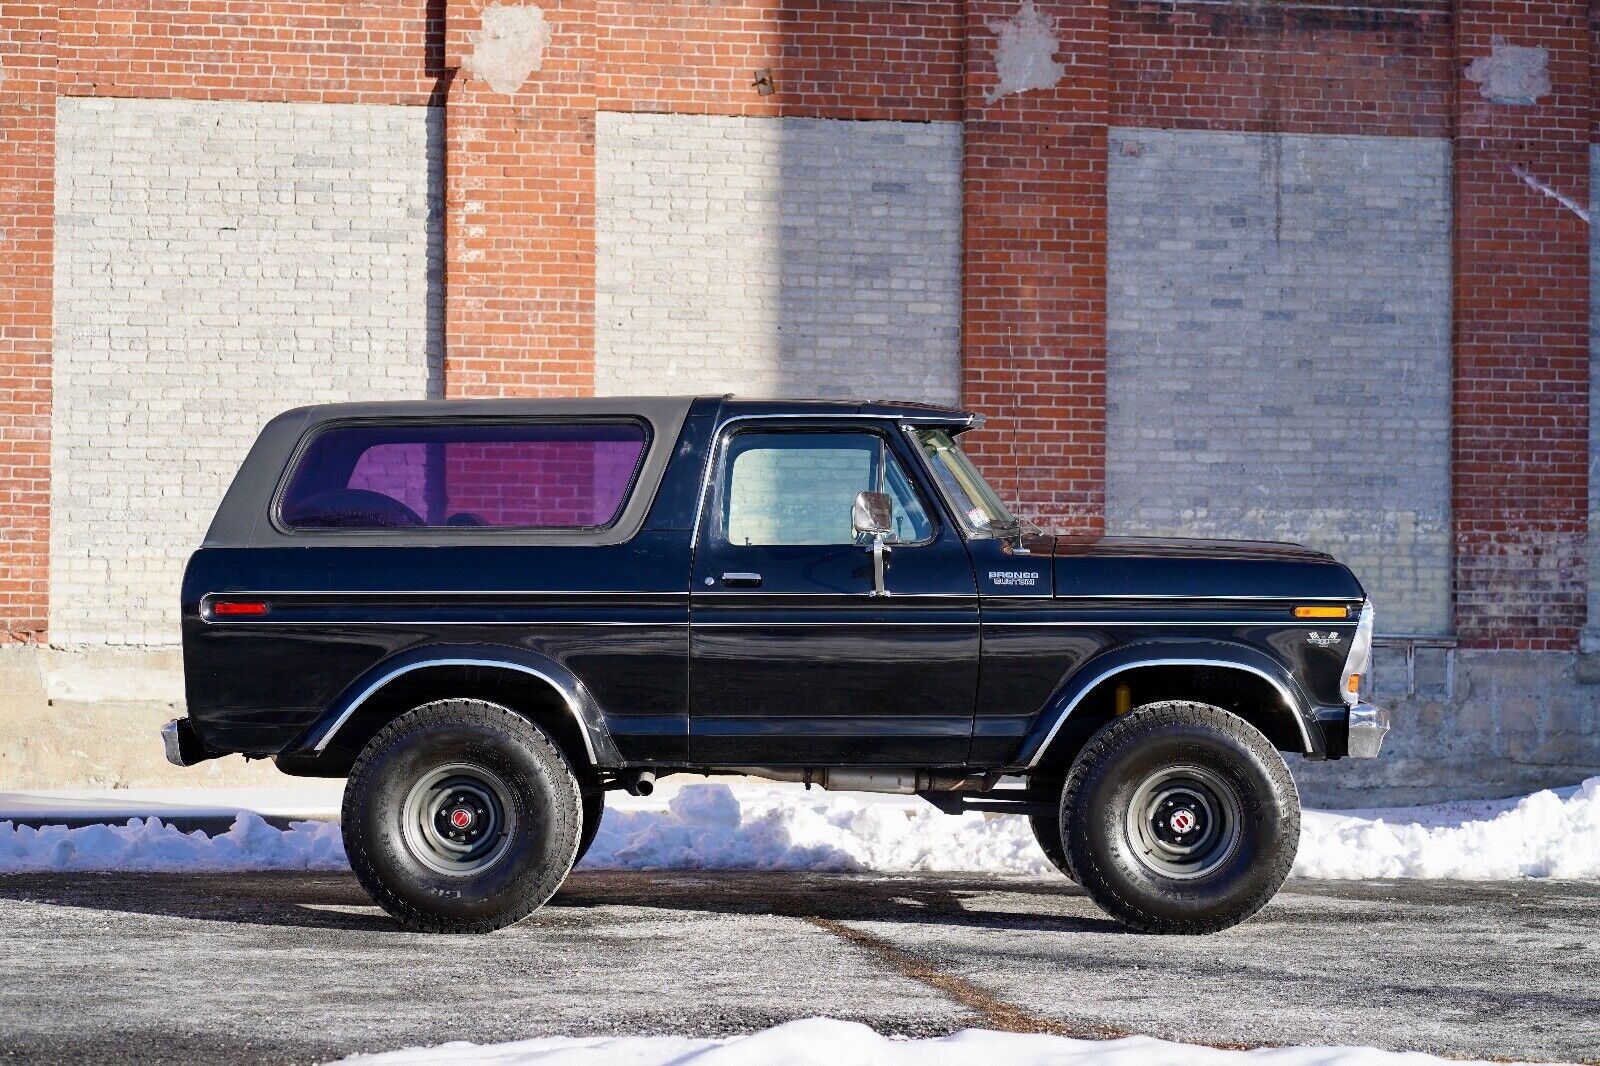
1288, 698
566, 695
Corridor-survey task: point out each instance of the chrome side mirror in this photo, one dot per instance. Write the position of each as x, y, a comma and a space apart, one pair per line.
873, 514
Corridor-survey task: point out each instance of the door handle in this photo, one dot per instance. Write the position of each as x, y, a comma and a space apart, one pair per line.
742, 580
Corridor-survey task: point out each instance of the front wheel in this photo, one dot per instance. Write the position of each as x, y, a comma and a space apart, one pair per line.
1180, 818
461, 817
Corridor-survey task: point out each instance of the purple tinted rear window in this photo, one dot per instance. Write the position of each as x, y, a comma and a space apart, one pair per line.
485, 474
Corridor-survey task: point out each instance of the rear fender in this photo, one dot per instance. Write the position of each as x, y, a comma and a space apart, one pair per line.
535, 668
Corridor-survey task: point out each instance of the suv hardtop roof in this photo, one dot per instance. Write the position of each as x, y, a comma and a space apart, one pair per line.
652, 407
243, 518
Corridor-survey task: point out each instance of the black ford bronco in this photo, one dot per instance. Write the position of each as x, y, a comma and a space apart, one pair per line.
487, 614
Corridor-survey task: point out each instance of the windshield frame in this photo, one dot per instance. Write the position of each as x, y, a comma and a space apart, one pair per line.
967, 478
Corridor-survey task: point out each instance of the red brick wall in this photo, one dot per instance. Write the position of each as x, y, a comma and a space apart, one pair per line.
519, 207
520, 203
1522, 336
369, 53
27, 189
862, 59
1033, 311
1338, 66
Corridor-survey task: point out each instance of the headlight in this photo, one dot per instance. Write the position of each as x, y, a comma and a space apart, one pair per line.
1359, 659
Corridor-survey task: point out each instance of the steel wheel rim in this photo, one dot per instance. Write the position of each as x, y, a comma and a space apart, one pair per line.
1184, 822
458, 819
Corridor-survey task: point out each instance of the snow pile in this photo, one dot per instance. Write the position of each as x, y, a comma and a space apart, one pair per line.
148, 844
825, 1042
1542, 835
715, 827
764, 828
771, 827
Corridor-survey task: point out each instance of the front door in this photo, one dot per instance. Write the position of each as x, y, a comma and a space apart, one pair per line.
793, 659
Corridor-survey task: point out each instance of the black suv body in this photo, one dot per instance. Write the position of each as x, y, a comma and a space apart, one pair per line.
466, 606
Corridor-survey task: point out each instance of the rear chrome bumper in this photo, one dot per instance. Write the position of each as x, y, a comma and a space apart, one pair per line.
1369, 724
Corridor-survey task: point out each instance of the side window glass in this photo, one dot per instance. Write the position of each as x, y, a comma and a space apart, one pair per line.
548, 475
797, 488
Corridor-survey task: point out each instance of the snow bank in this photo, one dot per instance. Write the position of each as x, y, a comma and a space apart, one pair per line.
148, 844
773, 827
825, 1042
1542, 835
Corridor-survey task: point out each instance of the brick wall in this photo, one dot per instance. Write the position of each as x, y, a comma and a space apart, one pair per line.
1279, 350
855, 59
1521, 432
216, 263
27, 146
1327, 67
1033, 313
789, 257
1592, 628
519, 194
375, 52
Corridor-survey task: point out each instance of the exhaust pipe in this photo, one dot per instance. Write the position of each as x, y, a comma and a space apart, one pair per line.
642, 784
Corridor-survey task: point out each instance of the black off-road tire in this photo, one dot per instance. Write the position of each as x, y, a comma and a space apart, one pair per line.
535, 795
594, 809
1047, 831
1177, 745
1047, 827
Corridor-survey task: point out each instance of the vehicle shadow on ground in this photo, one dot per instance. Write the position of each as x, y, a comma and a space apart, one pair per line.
337, 902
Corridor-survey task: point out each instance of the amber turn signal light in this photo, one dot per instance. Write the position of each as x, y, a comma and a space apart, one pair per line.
1353, 686
1322, 612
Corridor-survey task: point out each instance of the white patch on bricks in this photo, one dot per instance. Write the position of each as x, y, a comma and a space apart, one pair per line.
1511, 74
509, 46
1024, 53
1559, 197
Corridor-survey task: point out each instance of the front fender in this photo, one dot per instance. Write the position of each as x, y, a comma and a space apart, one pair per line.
538, 668
1167, 652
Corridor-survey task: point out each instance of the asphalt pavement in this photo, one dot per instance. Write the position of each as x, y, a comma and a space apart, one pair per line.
300, 968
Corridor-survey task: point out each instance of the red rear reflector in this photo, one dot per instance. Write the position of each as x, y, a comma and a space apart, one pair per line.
224, 609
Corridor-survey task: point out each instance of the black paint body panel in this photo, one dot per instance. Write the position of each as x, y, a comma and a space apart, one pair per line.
970, 660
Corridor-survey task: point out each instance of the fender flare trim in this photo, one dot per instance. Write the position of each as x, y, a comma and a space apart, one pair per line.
1290, 704
319, 736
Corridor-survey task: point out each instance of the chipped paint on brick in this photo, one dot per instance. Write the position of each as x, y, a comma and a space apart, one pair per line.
1511, 74
1024, 53
509, 46
1559, 197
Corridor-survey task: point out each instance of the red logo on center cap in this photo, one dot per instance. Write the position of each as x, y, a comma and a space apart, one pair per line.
460, 818
1182, 821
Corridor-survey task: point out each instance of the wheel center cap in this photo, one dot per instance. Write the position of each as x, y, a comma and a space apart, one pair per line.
461, 818
1182, 820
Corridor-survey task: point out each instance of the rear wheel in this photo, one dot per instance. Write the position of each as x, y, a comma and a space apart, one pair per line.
461, 817
1181, 818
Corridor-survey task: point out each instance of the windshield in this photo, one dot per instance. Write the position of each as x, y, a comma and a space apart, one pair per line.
980, 509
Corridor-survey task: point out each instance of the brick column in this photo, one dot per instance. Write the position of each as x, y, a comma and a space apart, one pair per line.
519, 203
1033, 310
27, 222
1521, 323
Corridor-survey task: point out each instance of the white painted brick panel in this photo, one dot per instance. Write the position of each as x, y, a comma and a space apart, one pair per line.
1279, 350
783, 257
216, 263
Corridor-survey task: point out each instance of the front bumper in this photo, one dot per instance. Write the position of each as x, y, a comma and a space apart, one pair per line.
1369, 724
